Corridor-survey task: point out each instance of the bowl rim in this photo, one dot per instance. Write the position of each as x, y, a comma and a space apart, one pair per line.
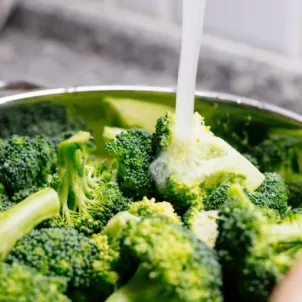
210, 95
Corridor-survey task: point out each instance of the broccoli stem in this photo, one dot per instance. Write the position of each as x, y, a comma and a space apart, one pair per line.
139, 288
25, 216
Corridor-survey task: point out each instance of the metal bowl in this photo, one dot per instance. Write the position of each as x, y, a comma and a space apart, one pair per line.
141, 106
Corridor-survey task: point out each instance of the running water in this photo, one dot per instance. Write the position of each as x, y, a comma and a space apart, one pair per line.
192, 25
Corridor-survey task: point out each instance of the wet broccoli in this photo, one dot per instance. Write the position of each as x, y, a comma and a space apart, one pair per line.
57, 252
185, 171
89, 194
172, 264
133, 152
255, 251
148, 207
20, 283
25, 162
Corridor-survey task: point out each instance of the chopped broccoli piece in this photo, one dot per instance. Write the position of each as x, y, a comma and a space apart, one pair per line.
19, 283
132, 150
89, 195
255, 251
57, 252
216, 198
172, 264
25, 162
20, 219
272, 193
203, 224
184, 171
148, 207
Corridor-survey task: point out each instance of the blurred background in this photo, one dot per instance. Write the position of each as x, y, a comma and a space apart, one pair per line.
251, 48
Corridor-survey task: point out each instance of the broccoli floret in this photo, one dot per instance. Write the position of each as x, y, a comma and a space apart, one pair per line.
23, 217
172, 264
132, 150
185, 171
57, 252
272, 193
25, 162
216, 198
4, 206
19, 283
148, 207
255, 251
89, 194
42, 118
203, 224
3, 196
106, 278
282, 153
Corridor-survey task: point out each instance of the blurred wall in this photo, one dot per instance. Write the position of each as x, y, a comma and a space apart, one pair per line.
274, 25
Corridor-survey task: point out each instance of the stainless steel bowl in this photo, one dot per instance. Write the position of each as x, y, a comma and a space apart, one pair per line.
142, 105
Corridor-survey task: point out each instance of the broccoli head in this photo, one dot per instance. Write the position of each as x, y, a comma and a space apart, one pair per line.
255, 251
203, 224
20, 283
57, 252
132, 150
172, 264
89, 194
272, 193
185, 171
25, 162
148, 207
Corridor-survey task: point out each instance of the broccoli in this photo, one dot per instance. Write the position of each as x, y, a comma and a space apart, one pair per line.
203, 224
133, 152
255, 252
89, 194
32, 119
3, 196
184, 171
25, 162
172, 264
216, 198
148, 207
23, 217
271, 194
282, 153
20, 283
57, 252
4, 206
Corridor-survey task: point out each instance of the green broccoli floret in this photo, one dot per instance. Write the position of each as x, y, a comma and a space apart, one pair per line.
282, 153
255, 252
185, 171
19, 283
203, 224
57, 252
172, 264
272, 193
148, 207
25, 162
132, 150
4, 206
89, 194
42, 118
216, 198
23, 217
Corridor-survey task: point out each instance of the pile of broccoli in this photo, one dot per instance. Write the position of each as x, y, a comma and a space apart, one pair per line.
160, 220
